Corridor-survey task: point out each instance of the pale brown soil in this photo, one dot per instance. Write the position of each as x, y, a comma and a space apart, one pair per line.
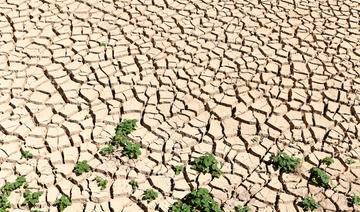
241, 79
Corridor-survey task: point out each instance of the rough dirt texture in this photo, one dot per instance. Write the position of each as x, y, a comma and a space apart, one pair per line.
241, 79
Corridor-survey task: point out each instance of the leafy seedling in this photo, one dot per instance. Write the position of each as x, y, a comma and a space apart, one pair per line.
178, 169
126, 127
327, 161
107, 150
354, 200
197, 200
4, 203
132, 150
285, 163
81, 167
103, 44
9, 187
319, 177
26, 154
149, 195
101, 182
309, 203
240, 208
31, 198
207, 163
134, 184
63, 202
350, 161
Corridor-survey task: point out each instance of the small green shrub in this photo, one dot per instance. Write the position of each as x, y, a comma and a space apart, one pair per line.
284, 162
350, 161
319, 177
101, 182
207, 163
134, 184
198, 200
181, 207
63, 202
120, 140
9, 187
150, 195
31, 198
327, 161
107, 150
4, 203
36, 210
354, 200
103, 44
126, 127
26, 154
240, 208
81, 167
309, 203
178, 169
132, 150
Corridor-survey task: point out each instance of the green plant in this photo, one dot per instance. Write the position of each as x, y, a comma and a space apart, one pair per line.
284, 162
31, 198
354, 200
178, 169
4, 203
327, 160
350, 161
63, 202
81, 167
26, 154
126, 127
132, 150
149, 195
103, 44
197, 200
134, 184
9, 187
120, 140
319, 177
207, 163
240, 208
309, 203
36, 210
101, 182
181, 207
107, 150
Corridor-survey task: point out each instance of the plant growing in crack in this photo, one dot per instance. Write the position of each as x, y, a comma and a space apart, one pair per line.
63, 202
81, 167
309, 203
197, 200
350, 161
101, 182
9, 187
107, 150
26, 154
126, 127
354, 200
31, 198
4, 203
132, 150
240, 208
319, 177
285, 163
178, 169
134, 184
149, 195
327, 160
207, 163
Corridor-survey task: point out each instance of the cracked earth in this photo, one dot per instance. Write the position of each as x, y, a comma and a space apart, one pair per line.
240, 79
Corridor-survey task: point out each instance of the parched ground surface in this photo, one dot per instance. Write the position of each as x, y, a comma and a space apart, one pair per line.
241, 79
